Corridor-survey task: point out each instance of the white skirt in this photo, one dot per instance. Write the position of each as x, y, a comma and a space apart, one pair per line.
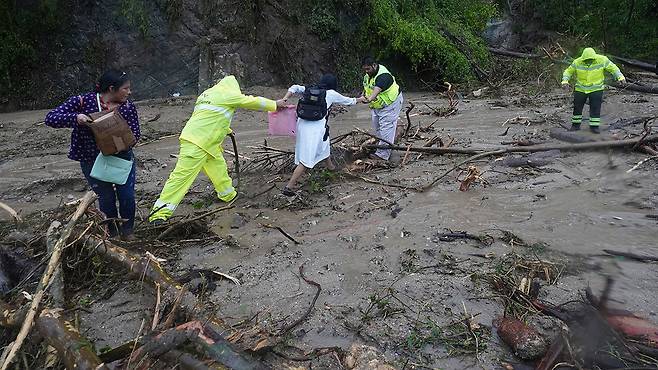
309, 147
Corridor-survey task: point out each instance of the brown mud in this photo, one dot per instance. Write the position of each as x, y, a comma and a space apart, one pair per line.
388, 279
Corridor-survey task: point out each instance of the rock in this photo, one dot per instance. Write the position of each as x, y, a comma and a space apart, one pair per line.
499, 33
362, 357
238, 221
526, 343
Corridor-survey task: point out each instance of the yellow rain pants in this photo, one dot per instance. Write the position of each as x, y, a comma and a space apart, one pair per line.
191, 160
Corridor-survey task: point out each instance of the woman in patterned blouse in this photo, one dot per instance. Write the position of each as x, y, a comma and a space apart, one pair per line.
112, 92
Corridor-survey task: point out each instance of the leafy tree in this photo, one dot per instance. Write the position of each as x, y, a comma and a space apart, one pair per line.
627, 27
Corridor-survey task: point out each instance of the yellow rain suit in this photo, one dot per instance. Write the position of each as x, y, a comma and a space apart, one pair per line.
589, 71
201, 145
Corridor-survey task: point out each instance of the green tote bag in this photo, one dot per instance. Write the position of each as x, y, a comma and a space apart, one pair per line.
112, 169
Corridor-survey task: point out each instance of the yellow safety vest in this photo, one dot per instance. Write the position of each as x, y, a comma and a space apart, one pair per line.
590, 75
213, 111
386, 97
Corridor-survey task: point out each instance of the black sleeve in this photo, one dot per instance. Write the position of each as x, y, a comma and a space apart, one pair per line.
384, 81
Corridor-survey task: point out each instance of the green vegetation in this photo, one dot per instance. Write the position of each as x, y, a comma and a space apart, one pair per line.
428, 35
136, 14
23, 28
625, 27
320, 179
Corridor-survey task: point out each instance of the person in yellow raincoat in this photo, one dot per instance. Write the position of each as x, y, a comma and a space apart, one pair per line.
201, 144
588, 72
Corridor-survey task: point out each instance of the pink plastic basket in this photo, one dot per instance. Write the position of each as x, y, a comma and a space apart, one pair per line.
283, 122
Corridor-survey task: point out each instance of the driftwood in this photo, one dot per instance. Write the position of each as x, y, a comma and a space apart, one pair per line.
425, 149
56, 287
75, 351
653, 89
150, 271
195, 332
525, 149
87, 200
514, 54
637, 63
11, 211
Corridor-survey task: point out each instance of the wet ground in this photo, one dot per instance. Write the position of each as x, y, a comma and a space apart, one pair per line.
377, 247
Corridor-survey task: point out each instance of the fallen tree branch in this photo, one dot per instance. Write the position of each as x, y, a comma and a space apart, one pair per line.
467, 160
635, 87
526, 149
318, 287
514, 54
189, 220
637, 64
75, 351
150, 271
424, 149
87, 200
372, 136
11, 212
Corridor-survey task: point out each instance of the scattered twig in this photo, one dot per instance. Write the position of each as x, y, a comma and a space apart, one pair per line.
11, 212
189, 220
227, 276
288, 328
283, 232
407, 111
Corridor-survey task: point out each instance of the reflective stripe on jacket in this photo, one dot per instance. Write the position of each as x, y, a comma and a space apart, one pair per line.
213, 111
385, 97
589, 71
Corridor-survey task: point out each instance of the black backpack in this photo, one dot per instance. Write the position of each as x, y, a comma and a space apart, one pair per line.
313, 104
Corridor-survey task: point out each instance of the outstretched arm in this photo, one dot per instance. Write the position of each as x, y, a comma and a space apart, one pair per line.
257, 103
294, 89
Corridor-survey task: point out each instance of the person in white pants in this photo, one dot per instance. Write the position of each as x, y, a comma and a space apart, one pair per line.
385, 100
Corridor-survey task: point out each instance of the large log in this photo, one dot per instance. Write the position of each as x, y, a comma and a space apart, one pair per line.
637, 63
524, 149
649, 89
70, 345
151, 271
75, 351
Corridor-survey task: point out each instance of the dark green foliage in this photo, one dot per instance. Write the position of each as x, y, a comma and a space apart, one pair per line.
136, 14
22, 28
428, 35
626, 27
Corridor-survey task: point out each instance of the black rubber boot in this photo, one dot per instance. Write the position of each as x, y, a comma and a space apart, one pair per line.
594, 129
575, 127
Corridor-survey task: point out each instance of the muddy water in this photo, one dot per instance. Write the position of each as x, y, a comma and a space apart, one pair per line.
352, 245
